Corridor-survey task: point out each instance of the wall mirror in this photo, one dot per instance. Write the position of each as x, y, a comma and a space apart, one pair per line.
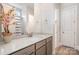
16, 15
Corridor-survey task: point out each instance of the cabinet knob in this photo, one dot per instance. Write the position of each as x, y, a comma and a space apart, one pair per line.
63, 32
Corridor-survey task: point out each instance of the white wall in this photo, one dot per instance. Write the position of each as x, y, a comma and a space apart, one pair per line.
77, 27
30, 17
57, 27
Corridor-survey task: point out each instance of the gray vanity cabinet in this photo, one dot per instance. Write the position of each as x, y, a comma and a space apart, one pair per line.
43, 47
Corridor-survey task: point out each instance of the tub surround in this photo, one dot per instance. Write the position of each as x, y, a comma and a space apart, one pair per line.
19, 43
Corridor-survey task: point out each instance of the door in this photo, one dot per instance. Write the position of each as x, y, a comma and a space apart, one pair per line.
68, 26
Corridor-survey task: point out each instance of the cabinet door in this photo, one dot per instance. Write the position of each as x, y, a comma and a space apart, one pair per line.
49, 46
41, 51
68, 27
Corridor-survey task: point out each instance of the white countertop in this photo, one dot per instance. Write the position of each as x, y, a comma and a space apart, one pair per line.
16, 44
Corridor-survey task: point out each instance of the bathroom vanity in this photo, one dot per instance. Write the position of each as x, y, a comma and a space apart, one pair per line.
35, 45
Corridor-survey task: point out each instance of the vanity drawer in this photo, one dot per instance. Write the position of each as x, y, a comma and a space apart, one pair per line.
40, 44
49, 39
25, 51
41, 51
